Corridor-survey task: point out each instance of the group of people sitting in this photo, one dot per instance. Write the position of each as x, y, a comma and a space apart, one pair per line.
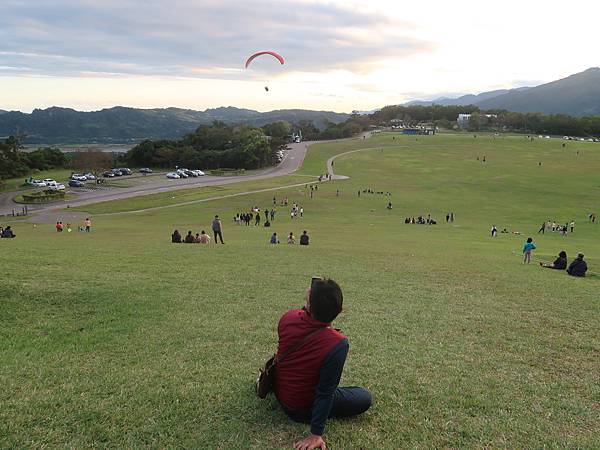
421, 220
304, 239
7, 233
190, 238
577, 268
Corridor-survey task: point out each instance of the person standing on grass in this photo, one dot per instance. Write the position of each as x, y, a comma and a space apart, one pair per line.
451, 217
527, 249
542, 228
59, 227
217, 228
572, 224
257, 220
88, 224
307, 381
494, 231
272, 214
291, 238
304, 239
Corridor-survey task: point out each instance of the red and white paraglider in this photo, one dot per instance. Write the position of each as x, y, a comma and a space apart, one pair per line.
257, 54
271, 53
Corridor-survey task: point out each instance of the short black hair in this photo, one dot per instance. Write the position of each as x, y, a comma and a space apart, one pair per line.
325, 300
529, 240
563, 254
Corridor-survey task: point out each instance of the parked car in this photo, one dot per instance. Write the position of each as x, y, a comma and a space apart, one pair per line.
173, 175
124, 171
89, 176
49, 181
198, 173
78, 177
181, 173
145, 170
76, 183
108, 174
117, 172
55, 186
37, 183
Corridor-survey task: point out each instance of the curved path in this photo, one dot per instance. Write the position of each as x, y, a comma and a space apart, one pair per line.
292, 161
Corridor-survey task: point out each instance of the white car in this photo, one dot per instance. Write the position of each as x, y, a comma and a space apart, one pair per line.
89, 176
181, 173
198, 173
49, 181
547, 137
173, 175
38, 183
56, 186
78, 177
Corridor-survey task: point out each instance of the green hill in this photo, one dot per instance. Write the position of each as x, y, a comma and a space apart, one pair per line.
127, 125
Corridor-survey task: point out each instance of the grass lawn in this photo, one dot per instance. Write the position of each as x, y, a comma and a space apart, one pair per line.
60, 175
120, 339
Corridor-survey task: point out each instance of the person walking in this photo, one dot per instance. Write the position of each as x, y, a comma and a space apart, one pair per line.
527, 249
301, 212
272, 214
572, 224
88, 225
217, 228
542, 228
257, 219
494, 231
447, 217
451, 217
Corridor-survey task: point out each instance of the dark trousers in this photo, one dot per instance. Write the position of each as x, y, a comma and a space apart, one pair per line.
217, 233
347, 402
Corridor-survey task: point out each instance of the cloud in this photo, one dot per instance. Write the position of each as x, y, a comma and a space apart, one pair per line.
194, 38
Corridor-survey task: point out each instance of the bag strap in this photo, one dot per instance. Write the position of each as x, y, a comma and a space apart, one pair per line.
299, 344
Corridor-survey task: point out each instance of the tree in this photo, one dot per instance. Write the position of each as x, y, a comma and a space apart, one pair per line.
93, 161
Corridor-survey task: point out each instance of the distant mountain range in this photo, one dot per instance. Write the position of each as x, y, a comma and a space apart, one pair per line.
126, 125
576, 95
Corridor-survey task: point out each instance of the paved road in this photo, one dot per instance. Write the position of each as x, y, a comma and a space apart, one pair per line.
292, 161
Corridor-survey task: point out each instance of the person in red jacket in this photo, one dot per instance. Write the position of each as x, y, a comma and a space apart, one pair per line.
306, 382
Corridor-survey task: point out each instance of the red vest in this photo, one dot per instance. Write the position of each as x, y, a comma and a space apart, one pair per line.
296, 379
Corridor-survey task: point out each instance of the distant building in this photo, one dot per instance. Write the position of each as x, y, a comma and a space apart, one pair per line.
463, 120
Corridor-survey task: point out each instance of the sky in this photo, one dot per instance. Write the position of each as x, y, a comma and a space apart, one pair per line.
340, 55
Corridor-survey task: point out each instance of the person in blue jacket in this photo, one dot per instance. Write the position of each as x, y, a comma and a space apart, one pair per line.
527, 249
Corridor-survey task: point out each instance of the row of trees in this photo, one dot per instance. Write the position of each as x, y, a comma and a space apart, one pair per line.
210, 147
499, 120
15, 162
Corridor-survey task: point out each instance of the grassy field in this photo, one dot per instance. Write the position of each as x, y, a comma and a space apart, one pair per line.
120, 339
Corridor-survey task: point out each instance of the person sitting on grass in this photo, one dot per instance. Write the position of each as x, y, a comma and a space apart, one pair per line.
560, 263
306, 383
304, 238
578, 267
274, 239
204, 238
189, 239
176, 237
291, 238
267, 224
527, 249
7, 233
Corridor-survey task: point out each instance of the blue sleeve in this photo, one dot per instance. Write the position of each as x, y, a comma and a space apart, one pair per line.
329, 379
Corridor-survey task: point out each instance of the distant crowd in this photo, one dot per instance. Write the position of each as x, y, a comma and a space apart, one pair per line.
552, 225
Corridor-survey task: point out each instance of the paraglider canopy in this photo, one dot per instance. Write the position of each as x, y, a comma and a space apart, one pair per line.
256, 55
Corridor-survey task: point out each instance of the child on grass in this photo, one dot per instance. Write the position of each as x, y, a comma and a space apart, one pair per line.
527, 249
